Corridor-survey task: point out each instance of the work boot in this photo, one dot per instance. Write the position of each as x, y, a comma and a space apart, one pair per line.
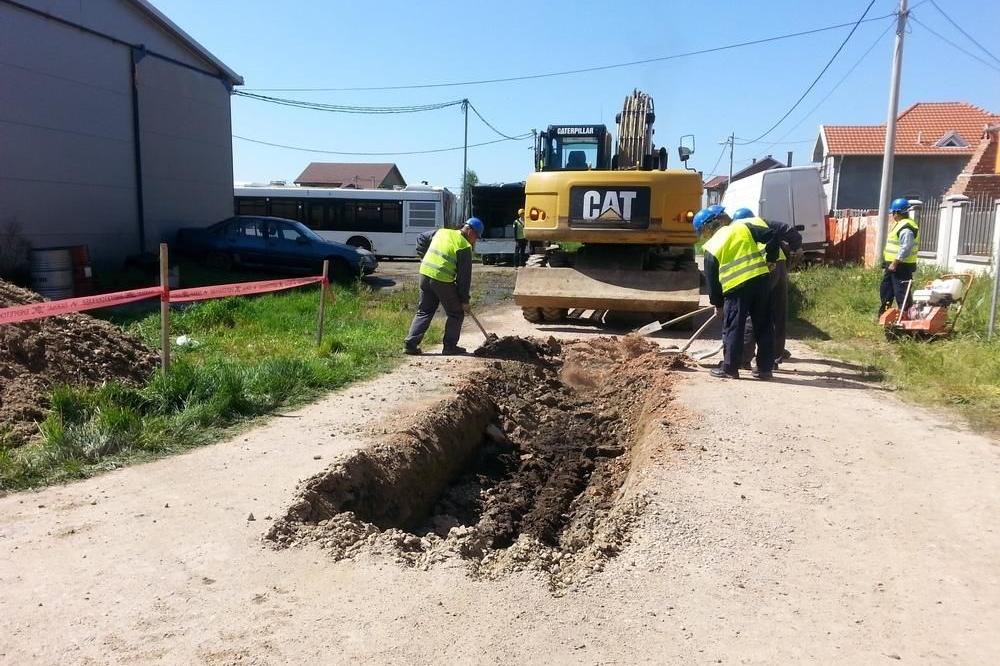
454, 350
745, 365
762, 374
719, 373
412, 351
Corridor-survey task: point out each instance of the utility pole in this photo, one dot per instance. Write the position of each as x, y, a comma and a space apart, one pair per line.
732, 140
465, 163
888, 156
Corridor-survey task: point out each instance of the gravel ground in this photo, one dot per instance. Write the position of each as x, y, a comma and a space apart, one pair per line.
814, 519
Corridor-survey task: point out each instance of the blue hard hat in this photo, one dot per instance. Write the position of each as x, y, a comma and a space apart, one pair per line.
476, 224
742, 214
706, 215
900, 205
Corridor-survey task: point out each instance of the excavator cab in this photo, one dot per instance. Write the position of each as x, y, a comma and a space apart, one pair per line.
573, 148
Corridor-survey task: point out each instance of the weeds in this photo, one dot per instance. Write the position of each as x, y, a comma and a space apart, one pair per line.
253, 356
835, 309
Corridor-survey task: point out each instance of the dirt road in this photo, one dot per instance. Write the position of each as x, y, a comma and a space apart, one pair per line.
814, 519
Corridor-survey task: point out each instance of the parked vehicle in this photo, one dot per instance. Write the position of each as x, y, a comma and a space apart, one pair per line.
497, 206
793, 195
386, 222
273, 242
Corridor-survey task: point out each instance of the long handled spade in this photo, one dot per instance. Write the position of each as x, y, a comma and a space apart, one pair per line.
490, 337
655, 326
697, 334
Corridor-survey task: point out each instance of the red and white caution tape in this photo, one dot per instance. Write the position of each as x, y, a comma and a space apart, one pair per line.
239, 289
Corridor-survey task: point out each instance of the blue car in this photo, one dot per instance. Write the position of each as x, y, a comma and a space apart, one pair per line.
275, 243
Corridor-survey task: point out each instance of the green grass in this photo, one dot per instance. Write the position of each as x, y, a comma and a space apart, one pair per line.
253, 356
834, 309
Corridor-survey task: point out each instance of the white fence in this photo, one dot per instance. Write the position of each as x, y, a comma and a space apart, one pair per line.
967, 236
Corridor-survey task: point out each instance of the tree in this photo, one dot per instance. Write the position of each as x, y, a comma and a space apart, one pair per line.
471, 180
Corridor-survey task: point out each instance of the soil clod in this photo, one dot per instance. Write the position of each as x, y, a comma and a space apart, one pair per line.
526, 468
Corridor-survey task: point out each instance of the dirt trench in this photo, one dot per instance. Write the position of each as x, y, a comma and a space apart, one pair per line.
529, 466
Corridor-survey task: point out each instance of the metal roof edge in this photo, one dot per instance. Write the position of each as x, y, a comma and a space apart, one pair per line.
171, 27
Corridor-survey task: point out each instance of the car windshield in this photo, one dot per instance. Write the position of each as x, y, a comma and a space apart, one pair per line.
293, 232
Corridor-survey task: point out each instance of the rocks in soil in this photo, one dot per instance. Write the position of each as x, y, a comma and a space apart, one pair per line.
525, 468
514, 348
74, 349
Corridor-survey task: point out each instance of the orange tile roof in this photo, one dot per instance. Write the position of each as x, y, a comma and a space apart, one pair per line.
918, 129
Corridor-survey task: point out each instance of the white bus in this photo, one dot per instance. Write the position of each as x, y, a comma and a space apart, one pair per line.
387, 222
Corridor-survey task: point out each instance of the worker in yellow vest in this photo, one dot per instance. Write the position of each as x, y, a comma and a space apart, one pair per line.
899, 259
736, 270
445, 280
520, 243
778, 297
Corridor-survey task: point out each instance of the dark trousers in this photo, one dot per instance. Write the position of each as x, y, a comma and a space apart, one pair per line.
778, 300
894, 285
749, 300
519, 251
432, 294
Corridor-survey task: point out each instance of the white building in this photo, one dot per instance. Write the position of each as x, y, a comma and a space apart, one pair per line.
115, 126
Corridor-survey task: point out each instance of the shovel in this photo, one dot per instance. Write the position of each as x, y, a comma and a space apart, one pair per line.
680, 350
655, 326
490, 337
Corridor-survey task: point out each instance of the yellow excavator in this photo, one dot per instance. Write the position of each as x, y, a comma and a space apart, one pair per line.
610, 232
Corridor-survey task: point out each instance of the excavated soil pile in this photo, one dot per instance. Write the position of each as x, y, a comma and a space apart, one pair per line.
72, 349
528, 467
519, 349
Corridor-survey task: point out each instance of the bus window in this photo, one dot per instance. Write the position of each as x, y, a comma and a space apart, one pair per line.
392, 217
316, 218
423, 214
251, 206
290, 209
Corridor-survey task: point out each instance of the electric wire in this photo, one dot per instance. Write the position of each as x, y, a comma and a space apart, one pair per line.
377, 154
344, 108
585, 70
712, 171
832, 90
967, 35
487, 123
957, 46
818, 76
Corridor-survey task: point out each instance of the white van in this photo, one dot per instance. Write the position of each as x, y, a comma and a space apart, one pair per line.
793, 195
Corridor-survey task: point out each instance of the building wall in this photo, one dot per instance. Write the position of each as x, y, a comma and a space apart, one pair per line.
859, 178
394, 179
67, 157
187, 156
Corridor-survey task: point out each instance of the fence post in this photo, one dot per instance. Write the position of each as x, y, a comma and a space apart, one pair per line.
164, 309
996, 272
323, 286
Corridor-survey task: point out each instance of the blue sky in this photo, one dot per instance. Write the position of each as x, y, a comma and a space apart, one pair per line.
342, 44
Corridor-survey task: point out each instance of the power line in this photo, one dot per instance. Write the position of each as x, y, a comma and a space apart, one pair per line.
343, 108
487, 123
585, 70
967, 35
818, 76
948, 41
832, 90
377, 154
716, 165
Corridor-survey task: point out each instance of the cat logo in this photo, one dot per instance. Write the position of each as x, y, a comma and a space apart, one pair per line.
615, 205
595, 207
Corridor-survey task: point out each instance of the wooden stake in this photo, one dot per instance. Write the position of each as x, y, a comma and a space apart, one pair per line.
164, 309
322, 301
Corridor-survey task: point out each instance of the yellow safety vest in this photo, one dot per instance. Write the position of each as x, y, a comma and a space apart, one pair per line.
892, 242
758, 222
739, 257
440, 262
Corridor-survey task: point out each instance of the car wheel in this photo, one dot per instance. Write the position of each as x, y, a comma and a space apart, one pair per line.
220, 260
360, 241
341, 272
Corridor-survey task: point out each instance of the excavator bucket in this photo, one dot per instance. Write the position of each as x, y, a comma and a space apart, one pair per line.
659, 291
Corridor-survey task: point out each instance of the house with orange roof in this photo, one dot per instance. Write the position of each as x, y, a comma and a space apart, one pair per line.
934, 143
